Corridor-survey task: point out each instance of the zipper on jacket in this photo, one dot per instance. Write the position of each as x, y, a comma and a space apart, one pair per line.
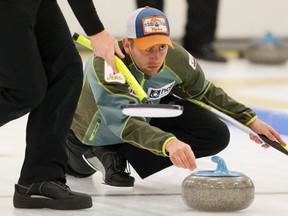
96, 127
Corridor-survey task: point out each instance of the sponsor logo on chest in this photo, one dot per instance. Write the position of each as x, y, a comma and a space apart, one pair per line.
157, 93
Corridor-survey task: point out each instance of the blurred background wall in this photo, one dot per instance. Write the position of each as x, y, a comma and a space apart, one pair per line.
237, 19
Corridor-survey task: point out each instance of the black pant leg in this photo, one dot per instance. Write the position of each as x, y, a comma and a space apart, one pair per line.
49, 123
201, 23
144, 162
23, 80
77, 166
198, 127
159, 4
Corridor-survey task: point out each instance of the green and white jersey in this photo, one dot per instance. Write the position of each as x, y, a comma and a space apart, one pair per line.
99, 119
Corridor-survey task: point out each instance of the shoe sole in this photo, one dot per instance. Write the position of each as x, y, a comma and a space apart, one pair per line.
29, 202
116, 190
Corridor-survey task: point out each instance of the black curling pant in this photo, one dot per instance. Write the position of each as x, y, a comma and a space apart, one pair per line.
201, 129
40, 74
201, 23
159, 4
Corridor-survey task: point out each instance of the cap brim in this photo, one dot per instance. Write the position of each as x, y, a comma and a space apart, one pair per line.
149, 41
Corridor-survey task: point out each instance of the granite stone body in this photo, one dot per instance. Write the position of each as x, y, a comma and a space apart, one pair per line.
269, 50
218, 190
267, 54
218, 193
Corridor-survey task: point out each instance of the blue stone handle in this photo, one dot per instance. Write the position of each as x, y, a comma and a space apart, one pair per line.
269, 38
221, 165
221, 171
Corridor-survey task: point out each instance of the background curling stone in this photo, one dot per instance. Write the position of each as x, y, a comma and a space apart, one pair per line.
218, 190
268, 50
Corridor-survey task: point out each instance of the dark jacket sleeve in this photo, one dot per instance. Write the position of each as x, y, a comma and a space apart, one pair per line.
194, 85
87, 16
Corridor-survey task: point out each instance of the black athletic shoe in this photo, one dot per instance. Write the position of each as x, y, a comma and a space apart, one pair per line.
111, 164
50, 194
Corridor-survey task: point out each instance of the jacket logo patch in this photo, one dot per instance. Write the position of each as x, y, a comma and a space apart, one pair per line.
155, 94
132, 92
192, 61
153, 25
111, 77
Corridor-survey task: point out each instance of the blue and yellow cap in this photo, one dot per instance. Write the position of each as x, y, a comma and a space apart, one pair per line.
148, 27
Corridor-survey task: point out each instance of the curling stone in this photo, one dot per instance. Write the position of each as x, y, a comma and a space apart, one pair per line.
218, 190
268, 50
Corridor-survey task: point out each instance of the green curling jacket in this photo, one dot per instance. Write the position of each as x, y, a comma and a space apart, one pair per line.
99, 119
